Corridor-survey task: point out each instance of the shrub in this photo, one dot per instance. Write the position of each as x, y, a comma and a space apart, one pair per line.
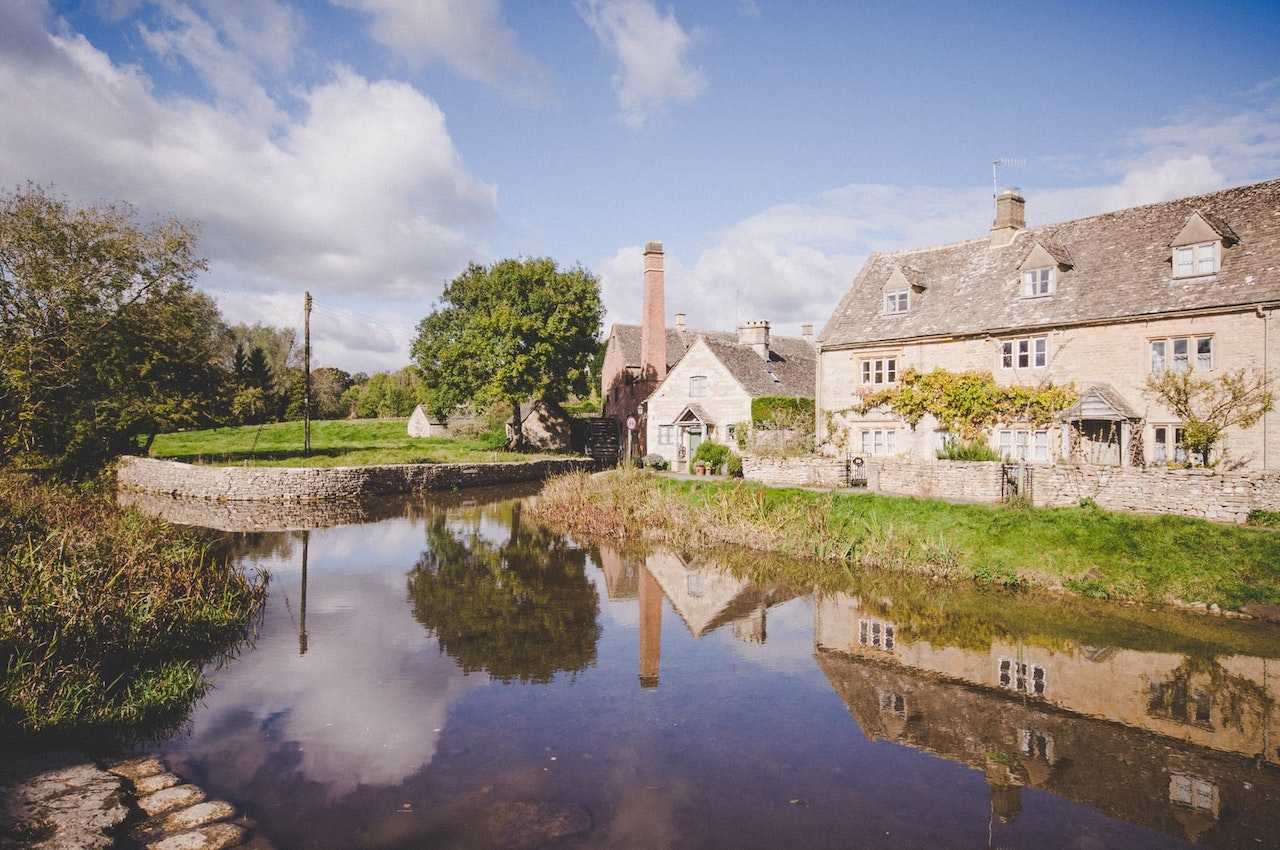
1264, 519
654, 461
715, 455
781, 411
734, 467
960, 449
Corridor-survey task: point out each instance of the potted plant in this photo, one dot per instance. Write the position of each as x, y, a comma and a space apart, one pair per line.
700, 468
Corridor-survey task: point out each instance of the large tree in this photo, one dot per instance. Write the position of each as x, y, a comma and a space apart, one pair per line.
102, 336
512, 331
1208, 406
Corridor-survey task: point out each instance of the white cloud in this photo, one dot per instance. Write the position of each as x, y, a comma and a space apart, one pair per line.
467, 35
652, 53
362, 194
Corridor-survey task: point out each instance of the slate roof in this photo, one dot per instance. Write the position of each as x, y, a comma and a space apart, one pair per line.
791, 370
1104, 393
1120, 266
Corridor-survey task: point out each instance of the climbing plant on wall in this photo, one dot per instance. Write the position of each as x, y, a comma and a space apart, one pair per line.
968, 403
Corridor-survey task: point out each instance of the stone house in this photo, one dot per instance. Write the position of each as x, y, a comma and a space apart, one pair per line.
1099, 302
726, 372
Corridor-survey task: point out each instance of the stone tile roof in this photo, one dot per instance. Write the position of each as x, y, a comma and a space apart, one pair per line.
1119, 266
791, 370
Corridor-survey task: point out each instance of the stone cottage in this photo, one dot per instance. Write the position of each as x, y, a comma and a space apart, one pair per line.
709, 394
1100, 302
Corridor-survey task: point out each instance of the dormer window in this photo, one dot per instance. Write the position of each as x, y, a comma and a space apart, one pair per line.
896, 302
1038, 282
1195, 260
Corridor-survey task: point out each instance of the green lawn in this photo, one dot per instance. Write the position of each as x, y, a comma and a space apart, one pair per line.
338, 442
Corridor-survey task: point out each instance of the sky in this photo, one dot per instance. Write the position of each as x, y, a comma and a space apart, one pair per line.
368, 150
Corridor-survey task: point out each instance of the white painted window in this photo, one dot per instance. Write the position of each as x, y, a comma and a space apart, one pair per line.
1028, 352
1194, 792
1024, 445
1182, 354
880, 441
880, 370
1168, 443
1195, 260
1037, 282
666, 435
876, 634
1024, 678
893, 703
698, 386
896, 302
696, 584
1036, 744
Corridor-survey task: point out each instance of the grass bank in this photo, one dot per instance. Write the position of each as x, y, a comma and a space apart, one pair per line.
1085, 551
337, 442
106, 614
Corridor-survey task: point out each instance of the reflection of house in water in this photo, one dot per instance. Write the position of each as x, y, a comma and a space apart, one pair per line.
1077, 723
705, 598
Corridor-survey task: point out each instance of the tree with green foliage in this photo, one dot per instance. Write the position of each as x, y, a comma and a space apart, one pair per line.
385, 395
103, 338
1208, 406
509, 332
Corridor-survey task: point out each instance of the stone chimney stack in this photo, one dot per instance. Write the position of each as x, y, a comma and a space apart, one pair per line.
1011, 216
756, 335
806, 332
653, 321
680, 322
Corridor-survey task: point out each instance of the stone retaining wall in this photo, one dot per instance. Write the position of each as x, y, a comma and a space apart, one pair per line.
291, 484
1220, 496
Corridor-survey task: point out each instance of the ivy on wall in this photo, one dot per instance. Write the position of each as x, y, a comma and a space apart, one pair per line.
780, 411
968, 403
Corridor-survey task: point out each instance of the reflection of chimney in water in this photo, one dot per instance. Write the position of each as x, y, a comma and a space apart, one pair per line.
650, 629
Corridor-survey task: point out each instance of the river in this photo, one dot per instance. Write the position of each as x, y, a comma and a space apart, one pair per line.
438, 672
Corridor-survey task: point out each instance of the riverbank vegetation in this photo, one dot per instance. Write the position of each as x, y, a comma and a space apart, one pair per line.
107, 615
342, 442
1081, 550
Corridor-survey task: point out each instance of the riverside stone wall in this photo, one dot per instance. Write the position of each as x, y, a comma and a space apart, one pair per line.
1220, 496
291, 484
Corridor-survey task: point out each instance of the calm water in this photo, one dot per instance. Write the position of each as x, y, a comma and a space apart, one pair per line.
442, 674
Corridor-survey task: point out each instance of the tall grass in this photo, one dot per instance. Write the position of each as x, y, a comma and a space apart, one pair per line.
1079, 550
106, 614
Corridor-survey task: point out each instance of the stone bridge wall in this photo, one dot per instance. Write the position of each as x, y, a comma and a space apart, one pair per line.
1220, 496
286, 484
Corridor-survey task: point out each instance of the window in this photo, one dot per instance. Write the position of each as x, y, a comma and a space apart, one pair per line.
1036, 744
880, 441
1176, 354
698, 386
876, 634
1195, 260
1037, 282
1024, 445
1027, 679
1194, 792
696, 584
1168, 444
882, 370
665, 435
1026, 353
896, 302
893, 703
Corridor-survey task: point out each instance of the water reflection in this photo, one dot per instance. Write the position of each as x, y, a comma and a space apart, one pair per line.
417, 676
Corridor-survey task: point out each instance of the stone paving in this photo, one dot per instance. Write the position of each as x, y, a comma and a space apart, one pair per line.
62, 802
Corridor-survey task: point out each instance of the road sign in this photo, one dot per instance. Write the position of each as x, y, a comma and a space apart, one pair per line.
631, 423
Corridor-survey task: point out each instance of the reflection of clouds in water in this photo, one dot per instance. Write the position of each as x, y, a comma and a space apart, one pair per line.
789, 645
361, 706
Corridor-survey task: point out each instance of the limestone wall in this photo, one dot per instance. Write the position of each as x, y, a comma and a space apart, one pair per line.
1219, 496
282, 484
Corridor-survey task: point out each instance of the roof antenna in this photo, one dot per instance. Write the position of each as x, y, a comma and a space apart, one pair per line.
1003, 162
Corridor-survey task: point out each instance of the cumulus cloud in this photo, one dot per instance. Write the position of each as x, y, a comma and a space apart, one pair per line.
652, 54
362, 193
467, 35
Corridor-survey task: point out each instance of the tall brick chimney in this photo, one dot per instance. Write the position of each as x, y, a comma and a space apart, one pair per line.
653, 321
1011, 216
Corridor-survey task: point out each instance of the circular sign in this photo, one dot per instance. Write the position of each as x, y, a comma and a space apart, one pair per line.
857, 461
631, 423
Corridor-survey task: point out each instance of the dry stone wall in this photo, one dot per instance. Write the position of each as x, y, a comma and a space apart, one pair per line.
1214, 495
283, 484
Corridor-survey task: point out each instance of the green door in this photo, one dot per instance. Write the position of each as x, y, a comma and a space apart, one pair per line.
695, 437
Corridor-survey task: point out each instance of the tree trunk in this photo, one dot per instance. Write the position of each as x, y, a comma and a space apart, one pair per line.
151, 438
516, 442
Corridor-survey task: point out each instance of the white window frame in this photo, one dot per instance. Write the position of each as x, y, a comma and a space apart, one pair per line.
1198, 260
697, 386
1026, 445
1039, 282
1025, 352
1163, 353
877, 634
1171, 447
896, 302
1023, 677
666, 435
879, 442
879, 370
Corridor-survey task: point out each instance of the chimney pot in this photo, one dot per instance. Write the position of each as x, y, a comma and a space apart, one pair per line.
1011, 217
680, 322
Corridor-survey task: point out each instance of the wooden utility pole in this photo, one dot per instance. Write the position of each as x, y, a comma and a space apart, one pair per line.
306, 376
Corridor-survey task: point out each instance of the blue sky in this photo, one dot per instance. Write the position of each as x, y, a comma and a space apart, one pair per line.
368, 149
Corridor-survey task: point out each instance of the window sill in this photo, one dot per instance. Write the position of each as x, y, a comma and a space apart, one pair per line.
1178, 278
1036, 297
